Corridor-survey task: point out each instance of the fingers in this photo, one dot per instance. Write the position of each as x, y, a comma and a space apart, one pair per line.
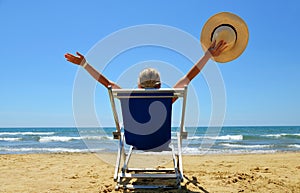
70, 56
212, 46
216, 50
223, 48
67, 55
75, 59
81, 56
220, 44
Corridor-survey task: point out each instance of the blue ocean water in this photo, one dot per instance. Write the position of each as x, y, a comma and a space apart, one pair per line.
201, 140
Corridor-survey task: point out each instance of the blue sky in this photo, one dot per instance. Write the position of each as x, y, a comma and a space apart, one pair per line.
36, 83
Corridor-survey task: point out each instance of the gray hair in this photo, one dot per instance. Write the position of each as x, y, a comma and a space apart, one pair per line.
149, 78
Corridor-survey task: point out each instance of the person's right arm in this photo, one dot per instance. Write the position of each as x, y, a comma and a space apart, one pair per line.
80, 60
213, 51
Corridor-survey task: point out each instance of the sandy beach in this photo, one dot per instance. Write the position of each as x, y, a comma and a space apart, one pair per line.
86, 172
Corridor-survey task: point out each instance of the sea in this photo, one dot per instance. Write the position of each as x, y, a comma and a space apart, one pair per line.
200, 140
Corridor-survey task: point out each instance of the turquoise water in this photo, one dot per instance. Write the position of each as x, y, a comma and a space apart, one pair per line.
200, 140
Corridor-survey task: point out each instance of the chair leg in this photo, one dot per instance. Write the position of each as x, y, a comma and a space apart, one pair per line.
177, 171
180, 155
119, 155
175, 161
125, 166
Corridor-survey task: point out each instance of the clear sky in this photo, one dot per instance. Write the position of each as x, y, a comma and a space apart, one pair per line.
36, 83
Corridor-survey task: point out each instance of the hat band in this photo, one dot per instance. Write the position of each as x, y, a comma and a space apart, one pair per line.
227, 25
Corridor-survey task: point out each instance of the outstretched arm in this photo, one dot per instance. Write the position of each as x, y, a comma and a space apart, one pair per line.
80, 60
213, 51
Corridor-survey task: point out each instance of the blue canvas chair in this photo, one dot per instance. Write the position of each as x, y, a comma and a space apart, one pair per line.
147, 126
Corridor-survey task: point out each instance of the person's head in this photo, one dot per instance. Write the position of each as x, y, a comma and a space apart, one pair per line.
149, 78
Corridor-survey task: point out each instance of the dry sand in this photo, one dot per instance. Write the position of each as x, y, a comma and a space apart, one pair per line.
86, 172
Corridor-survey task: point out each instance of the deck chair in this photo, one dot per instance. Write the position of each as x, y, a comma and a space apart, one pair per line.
147, 127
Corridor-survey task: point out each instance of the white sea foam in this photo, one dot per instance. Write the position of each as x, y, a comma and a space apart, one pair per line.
246, 146
52, 150
194, 137
223, 137
97, 137
10, 139
231, 137
281, 135
42, 150
294, 145
66, 139
27, 133
202, 151
58, 138
189, 150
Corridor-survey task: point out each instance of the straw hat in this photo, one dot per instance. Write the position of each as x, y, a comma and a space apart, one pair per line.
230, 28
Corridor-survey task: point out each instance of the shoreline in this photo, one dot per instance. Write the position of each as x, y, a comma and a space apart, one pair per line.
255, 152
86, 172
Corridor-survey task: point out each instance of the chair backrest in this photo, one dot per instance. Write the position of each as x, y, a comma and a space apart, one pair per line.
146, 116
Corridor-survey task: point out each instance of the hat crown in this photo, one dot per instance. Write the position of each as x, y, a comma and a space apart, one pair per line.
225, 33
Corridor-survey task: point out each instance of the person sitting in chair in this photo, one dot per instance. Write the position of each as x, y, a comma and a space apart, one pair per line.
149, 77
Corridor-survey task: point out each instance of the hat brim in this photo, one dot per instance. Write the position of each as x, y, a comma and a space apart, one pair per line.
240, 27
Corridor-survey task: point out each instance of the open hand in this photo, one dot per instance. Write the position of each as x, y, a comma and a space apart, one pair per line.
216, 50
75, 59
